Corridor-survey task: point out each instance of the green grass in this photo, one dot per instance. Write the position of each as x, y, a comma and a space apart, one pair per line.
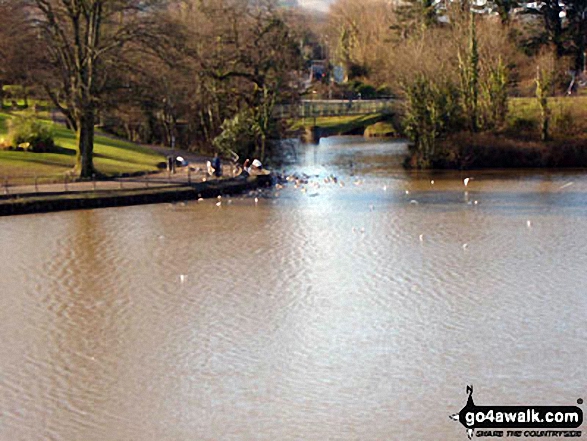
111, 156
518, 144
339, 124
381, 128
568, 108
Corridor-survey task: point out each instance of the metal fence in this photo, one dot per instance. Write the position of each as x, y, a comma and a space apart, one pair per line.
30, 185
319, 108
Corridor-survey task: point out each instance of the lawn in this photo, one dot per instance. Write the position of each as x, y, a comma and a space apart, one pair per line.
565, 112
111, 156
339, 124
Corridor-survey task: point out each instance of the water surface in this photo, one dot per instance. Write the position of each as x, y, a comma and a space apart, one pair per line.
355, 312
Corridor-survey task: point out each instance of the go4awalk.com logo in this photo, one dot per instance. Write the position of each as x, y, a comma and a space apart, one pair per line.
519, 421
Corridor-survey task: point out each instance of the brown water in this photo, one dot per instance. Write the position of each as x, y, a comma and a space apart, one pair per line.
308, 316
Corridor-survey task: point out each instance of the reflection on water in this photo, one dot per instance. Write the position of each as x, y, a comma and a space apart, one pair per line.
342, 312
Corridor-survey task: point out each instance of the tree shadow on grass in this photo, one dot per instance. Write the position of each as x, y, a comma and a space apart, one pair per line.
62, 151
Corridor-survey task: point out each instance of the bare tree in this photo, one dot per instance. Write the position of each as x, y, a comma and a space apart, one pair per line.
82, 37
17, 47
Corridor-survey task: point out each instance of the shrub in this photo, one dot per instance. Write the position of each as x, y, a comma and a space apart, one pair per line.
431, 112
564, 124
27, 132
384, 92
467, 150
523, 126
365, 90
237, 135
487, 150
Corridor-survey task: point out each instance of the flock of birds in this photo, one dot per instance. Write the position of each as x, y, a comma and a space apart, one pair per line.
309, 185
304, 182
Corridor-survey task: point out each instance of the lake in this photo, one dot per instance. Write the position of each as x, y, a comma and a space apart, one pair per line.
342, 312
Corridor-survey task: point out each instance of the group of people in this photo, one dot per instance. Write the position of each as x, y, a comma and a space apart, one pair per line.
249, 168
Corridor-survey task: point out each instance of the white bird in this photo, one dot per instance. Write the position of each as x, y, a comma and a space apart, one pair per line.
476, 202
465, 246
385, 188
421, 238
219, 203
466, 181
432, 182
407, 192
200, 199
568, 184
256, 201
414, 202
182, 278
529, 224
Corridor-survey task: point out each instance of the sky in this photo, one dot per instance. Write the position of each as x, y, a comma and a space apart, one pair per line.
320, 5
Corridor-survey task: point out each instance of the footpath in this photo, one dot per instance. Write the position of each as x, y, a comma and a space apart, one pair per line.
185, 184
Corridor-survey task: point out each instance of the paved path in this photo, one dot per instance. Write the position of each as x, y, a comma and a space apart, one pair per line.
196, 172
163, 179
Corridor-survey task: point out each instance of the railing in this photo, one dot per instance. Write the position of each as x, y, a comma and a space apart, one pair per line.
30, 185
318, 108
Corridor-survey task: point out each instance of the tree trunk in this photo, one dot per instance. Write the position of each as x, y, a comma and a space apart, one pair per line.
85, 140
580, 48
263, 145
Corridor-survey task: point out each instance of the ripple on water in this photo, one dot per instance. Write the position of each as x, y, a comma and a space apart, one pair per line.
297, 317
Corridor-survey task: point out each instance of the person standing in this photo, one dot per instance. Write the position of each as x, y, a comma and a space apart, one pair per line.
217, 165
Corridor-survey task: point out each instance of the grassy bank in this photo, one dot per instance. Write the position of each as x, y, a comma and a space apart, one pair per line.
339, 125
518, 144
380, 129
112, 156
